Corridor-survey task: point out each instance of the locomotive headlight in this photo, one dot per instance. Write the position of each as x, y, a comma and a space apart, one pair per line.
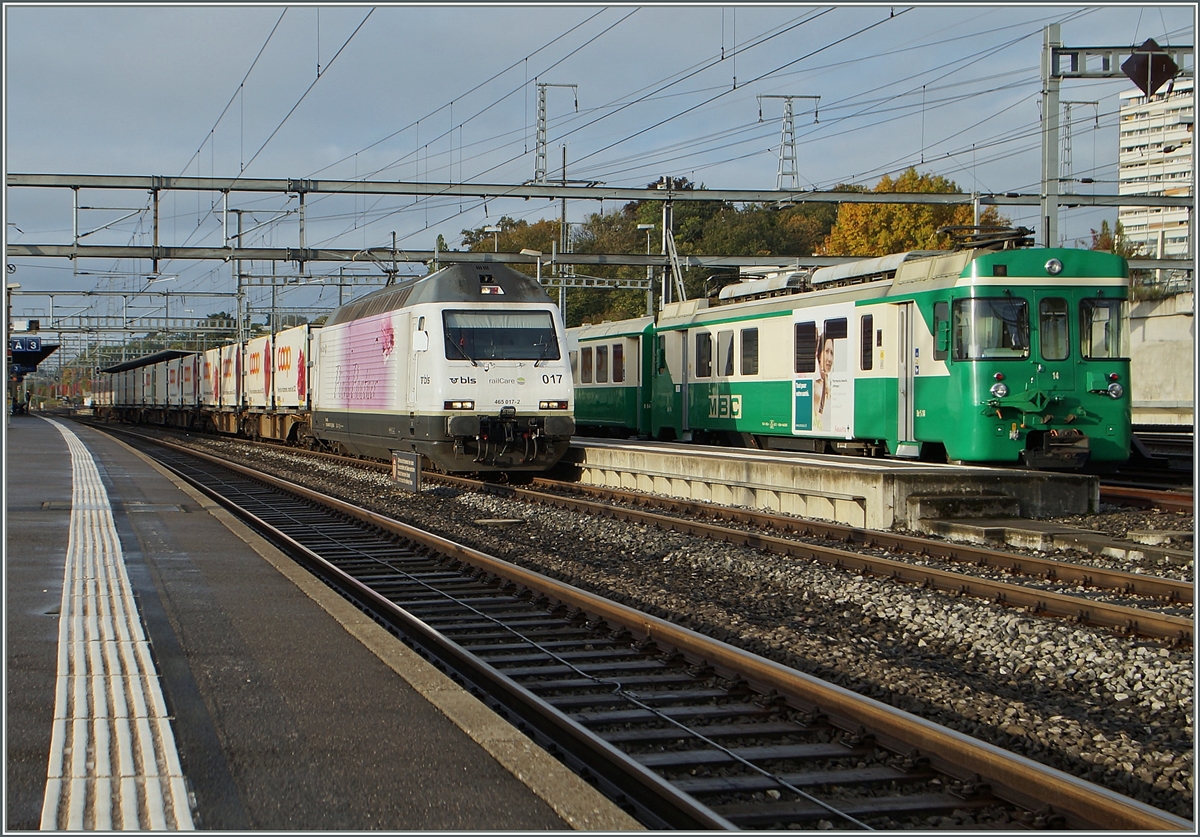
552, 405
999, 390
459, 405
1115, 390
1054, 267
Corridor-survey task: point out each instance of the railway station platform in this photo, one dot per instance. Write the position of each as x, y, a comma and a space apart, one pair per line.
856, 491
168, 669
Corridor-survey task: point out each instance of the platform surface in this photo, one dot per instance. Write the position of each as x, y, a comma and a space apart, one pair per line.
288, 708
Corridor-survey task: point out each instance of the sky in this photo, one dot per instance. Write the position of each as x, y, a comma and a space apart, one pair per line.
449, 93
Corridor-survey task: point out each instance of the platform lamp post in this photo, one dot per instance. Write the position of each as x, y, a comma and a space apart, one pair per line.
537, 254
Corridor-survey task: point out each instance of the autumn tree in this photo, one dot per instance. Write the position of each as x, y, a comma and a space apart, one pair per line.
865, 229
1114, 241
711, 227
513, 237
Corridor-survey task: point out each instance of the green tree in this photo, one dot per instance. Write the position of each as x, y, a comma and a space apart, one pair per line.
1114, 241
864, 229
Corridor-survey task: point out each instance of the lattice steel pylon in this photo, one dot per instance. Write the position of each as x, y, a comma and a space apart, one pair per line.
539, 173
787, 141
1067, 178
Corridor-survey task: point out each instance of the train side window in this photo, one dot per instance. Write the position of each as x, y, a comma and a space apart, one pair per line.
1052, 329
602, 364
1101, 329
806, 347
749, 351
867, 327
573, 358
585, 365
618, 363
703, 355
660, 352
941, 330
725, 352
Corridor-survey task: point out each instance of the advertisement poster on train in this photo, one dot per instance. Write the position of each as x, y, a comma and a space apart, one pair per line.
823, 386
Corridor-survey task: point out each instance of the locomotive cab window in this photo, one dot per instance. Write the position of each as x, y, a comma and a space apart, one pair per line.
991, 329
500, 335
1101, 328
1052, 329
941, 330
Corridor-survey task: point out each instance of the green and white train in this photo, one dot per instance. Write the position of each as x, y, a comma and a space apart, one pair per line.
982, 355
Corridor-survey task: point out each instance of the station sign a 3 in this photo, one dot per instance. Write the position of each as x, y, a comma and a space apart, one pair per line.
25, 344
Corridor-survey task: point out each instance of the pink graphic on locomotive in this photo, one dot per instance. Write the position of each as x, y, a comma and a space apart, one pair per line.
362, 371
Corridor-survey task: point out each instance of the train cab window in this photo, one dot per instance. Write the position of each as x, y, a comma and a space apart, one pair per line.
500, 335
1052, 329
602, 364
991, 329
806, 347
585, 365
618, 363
703, 355
660, 353
1101, 328
866, 333
725, 353
749, 351
941, 330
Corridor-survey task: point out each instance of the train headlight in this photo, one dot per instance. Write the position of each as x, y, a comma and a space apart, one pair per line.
1054, 267
459, 405
552, 405
1115, 390
999, 390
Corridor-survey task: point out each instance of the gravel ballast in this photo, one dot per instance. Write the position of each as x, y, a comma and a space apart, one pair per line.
1113, 710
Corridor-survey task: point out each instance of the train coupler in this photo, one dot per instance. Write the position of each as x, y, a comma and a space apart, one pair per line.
1066, 449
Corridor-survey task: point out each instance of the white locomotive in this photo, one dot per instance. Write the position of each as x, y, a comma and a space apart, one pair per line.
466, 366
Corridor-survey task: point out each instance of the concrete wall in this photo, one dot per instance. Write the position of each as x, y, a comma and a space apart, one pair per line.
1162, 334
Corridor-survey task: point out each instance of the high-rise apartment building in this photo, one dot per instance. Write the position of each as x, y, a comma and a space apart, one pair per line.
1156, 158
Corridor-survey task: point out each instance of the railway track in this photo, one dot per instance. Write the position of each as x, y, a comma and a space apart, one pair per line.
1146, 498
1134, 604
685, 731
1039, 573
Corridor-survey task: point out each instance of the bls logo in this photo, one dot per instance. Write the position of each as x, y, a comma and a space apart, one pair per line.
462, 380
283, 359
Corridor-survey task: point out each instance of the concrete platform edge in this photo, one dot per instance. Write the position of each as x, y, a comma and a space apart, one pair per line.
573, 799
